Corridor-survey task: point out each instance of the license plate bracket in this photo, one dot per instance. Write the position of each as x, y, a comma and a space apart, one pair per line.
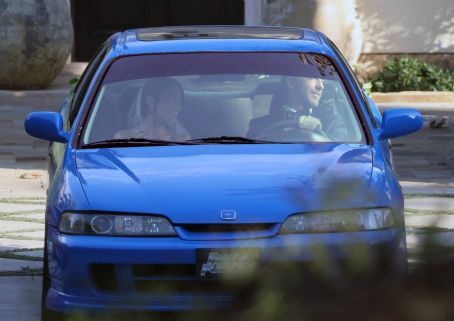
216, 263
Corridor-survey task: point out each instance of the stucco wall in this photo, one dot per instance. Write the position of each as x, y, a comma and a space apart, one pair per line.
335, 18
407, 26
388, 26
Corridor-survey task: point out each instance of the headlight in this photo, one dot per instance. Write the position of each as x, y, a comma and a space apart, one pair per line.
120, 225
339, 221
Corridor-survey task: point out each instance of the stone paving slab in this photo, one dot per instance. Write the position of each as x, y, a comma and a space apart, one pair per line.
11, 244
439, 221
34, 253
12, 226
27, 216
430, 203
38, 235
23, 299
12, 186
7, 265
427, 188
8, 207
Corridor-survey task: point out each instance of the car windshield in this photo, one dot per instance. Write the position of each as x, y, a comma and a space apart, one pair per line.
286, 97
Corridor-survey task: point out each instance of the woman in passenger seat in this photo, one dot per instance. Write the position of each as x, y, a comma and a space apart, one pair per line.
162, 99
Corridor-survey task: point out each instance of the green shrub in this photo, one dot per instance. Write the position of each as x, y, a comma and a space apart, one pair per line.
367, 87
406, 73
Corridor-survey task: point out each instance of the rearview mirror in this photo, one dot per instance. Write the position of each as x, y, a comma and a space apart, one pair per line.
400, 122
46, 125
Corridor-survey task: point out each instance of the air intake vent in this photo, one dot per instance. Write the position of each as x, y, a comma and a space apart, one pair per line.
104, 277
164, 271
227, 228
226, 231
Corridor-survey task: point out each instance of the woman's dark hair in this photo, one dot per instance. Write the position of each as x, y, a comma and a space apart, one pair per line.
155, 87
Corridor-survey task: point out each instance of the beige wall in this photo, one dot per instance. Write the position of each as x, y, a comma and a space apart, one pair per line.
335, 18
388, 26
407, 26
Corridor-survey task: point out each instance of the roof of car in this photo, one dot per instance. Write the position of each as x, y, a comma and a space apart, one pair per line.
217, 38
219, 32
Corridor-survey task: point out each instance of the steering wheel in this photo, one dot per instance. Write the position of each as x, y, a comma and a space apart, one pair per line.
289, 131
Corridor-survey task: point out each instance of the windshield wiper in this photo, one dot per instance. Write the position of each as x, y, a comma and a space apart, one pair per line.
228, 140
135, 142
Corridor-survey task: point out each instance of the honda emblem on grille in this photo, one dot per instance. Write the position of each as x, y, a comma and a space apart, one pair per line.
228, 215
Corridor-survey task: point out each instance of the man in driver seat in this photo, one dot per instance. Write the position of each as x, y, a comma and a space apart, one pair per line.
298, 105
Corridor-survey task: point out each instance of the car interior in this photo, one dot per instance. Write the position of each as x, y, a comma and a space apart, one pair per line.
206, 112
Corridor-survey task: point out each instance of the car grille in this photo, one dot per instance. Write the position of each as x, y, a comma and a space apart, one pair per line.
160, 271
226, 228
153, 278
165, 279
226, 231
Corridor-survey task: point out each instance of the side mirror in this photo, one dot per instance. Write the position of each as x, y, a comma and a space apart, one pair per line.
400, 122
46, 125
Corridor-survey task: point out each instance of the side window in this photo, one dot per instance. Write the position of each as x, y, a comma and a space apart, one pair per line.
83, 84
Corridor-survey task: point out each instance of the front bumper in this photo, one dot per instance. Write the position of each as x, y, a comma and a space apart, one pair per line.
75, 284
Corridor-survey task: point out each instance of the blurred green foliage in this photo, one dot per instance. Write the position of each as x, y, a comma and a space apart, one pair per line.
367, 87
407, 73
319, 291
73, 84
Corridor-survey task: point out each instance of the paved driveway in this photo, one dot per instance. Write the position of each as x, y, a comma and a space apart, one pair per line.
20, 298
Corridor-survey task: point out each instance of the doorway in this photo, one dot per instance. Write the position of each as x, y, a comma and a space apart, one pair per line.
95, 20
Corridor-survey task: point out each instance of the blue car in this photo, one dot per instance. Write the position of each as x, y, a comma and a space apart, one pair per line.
190, 155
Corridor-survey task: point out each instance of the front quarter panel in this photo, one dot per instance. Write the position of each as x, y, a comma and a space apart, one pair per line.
384, 189
65, 192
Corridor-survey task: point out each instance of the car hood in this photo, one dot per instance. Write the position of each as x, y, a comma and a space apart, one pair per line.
194, 183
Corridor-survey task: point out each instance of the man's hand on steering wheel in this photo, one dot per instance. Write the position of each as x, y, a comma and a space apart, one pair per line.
309, 123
